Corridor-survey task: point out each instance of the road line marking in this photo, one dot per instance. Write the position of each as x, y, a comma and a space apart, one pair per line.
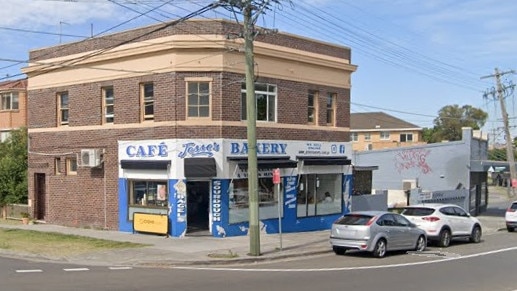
76, 270
120, 268
29, 271
447, 259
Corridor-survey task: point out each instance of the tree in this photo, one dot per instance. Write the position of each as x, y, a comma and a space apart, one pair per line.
450, 120
13, 168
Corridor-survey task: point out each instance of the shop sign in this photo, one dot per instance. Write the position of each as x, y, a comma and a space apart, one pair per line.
267, 148
147, 151
195, 150
216, 200
151, 223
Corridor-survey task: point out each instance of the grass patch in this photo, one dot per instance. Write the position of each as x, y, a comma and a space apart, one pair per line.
55, 244
229, 255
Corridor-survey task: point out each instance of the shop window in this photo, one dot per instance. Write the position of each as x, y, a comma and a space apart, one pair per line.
71, 166
265, 97
319, 195
148, 193
239, 200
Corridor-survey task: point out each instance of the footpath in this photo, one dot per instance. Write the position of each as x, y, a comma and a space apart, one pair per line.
205, 250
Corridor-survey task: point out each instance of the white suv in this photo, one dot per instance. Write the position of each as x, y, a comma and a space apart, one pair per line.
443, 222
511, 217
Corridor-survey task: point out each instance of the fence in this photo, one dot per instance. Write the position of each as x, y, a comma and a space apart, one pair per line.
13, 211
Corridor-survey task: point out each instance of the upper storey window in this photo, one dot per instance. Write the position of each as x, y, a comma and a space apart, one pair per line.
312, 107
265, 98
108, 105
198, 104
62, 108
9, 101
147, 101
331, 109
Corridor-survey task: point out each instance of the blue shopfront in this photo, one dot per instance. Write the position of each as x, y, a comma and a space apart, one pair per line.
202, 185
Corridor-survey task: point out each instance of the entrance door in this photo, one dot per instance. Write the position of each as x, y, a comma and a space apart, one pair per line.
40, 196
198, 201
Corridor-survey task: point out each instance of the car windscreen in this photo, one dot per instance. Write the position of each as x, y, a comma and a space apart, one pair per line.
514, 206
354, 219
417, 211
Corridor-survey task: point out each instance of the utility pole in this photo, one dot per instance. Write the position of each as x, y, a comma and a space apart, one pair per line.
500, 92
251, 117
248, 8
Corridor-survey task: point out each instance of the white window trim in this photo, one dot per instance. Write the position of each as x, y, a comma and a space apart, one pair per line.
243, 91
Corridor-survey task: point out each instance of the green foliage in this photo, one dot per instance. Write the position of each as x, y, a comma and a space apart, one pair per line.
499, 154
13, 168
450, 120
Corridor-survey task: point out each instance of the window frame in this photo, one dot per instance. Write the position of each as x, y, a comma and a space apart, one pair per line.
61, 109
258, 93
71, 170
312, 108
406, 135
7, 105
331, 108
367, 136
354, 136
144, 103
383, 136
57, 166
105, 105
188, 82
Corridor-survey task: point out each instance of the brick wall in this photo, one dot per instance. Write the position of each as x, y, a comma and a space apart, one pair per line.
216, 27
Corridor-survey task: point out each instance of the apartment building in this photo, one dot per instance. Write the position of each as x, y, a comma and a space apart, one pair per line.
13, 111
378, 130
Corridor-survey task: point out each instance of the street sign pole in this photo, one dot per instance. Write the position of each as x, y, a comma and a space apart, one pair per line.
276, 182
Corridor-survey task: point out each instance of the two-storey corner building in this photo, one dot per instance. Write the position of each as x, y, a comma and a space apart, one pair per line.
378, 130
152, 121
13, 110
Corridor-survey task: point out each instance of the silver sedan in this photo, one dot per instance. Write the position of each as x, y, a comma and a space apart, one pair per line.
377, 232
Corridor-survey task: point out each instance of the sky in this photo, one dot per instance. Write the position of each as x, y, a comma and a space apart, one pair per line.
414, 57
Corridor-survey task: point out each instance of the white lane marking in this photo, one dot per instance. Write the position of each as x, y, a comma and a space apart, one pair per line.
349, 268
29, 271
120, 268
76, 270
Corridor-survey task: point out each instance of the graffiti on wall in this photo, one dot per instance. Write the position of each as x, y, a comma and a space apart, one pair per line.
413, 159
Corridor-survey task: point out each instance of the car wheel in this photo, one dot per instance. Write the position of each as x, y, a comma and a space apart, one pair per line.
380, 249
445, 238
475, 237
421, 244
339, 250
510, 229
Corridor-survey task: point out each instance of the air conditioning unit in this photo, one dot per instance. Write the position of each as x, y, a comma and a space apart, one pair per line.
90, 157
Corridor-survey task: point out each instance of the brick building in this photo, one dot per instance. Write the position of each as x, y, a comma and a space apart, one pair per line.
378, 130
13, 110
115, 122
